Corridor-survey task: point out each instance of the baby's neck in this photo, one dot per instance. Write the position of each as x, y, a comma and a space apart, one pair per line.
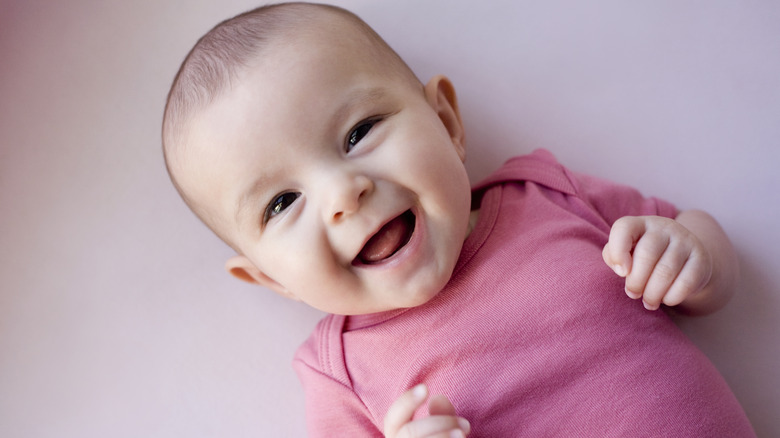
473, 217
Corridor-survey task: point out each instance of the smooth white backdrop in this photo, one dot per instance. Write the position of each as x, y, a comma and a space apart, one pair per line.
116, 318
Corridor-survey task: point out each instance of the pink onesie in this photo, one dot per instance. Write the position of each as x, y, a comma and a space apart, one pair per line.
533, 335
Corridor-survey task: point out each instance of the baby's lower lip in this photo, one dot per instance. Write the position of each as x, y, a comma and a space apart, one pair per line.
390, 239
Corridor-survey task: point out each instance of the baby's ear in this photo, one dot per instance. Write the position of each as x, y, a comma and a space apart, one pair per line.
440, 94
242, 268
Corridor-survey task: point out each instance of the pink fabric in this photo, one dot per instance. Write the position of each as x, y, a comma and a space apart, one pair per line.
533, 336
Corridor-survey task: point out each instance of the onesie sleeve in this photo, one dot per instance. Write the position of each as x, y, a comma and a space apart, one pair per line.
595, 199
333, 409
611, 201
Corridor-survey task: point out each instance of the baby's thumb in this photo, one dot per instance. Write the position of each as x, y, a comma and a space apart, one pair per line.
440, 405
402, 410
618, 261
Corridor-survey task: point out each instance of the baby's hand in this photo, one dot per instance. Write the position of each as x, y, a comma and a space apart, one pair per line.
443, 421
662, 261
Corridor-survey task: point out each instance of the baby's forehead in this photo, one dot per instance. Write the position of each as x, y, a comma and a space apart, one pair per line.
334, 30
317, 27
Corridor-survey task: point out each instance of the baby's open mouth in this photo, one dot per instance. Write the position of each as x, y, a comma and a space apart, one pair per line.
388, 240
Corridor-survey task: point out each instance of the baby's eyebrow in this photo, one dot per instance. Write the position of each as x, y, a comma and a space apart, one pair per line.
358, 98
249, 196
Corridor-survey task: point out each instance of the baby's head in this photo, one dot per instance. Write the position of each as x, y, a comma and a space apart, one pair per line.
303, 141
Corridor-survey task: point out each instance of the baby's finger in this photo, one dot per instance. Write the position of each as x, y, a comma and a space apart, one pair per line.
624, 234
693, 276
457, 433
440, 405
647, 253
440, 425
402, 410
664, 274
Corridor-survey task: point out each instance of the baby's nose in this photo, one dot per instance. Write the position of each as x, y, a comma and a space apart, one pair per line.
346, 196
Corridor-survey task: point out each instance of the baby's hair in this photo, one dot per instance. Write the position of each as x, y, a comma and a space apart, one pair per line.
220, 56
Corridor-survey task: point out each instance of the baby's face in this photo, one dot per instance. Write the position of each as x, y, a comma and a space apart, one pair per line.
334, 176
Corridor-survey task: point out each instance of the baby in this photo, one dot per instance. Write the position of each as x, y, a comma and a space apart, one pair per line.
307, 145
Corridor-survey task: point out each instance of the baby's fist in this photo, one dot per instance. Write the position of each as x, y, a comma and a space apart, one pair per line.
442, 422
661, 260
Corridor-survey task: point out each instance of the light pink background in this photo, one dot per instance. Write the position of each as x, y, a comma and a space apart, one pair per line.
116, 318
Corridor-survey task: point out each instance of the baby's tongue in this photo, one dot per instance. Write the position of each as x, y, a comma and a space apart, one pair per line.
388, 240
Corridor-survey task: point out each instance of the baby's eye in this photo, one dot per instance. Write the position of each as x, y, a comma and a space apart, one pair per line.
358, 133
279, 204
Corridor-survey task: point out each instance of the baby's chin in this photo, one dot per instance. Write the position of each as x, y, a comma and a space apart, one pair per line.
397, 304
423, 296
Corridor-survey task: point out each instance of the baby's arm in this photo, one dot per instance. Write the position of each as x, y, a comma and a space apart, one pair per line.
687, 262
443, 421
